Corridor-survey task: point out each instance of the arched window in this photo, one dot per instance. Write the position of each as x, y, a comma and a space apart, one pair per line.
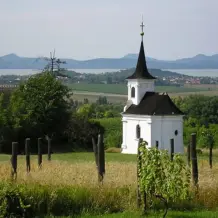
133, 92
138, 132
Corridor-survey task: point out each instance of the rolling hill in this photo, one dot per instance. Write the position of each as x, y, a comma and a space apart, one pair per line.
12, 61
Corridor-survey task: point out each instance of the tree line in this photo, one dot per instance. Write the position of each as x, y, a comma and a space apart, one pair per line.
40, 107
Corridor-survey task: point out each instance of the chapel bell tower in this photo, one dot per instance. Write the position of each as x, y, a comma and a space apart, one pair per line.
141, 81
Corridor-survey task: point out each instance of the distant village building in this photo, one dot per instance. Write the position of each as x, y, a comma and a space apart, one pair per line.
149, 115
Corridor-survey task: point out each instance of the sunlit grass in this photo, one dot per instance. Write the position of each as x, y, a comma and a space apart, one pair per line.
71, 179
118, 175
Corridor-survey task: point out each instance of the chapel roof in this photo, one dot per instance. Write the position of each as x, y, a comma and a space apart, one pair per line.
154, 103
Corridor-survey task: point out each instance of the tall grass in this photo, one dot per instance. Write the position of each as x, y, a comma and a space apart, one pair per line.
63, 188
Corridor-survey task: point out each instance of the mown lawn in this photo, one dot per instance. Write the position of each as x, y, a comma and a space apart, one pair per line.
109, 157
80, 157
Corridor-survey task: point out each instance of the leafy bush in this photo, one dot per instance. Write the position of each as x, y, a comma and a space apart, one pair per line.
80, 131
11, 203
113, 131
202, 108
192, 125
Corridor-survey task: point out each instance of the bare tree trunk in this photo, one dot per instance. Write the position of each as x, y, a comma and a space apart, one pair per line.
165, 203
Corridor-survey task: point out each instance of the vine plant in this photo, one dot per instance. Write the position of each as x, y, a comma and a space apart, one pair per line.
161, 178
11, 204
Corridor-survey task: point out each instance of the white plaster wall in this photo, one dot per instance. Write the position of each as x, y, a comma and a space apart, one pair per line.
130, 142
153, 128
163, 129
141, 87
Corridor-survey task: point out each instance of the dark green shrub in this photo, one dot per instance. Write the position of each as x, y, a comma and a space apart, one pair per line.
113, 131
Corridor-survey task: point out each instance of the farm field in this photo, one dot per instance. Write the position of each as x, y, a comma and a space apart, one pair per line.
117, 93
93, 96
115, 98
122, 88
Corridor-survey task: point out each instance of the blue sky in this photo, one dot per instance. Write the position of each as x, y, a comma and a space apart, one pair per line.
84, 29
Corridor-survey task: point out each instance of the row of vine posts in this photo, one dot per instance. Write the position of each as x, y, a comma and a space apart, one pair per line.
98, 149
27, 154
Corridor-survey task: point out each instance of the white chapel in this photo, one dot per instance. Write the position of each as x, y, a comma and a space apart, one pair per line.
149, 115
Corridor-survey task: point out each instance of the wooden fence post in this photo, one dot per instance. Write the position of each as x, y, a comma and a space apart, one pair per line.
101, 158
194, 159
211, 155
27, 152
49, 149
188, 154
171, 149
157, 144
14, 160
138, 175
40, 152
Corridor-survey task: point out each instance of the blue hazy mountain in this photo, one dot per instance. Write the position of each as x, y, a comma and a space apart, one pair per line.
12, 61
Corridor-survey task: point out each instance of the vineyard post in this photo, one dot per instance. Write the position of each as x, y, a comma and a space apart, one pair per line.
211, 155
194, 159
39, 152
101, 158
14, 160
171, 149
138, 174
27, 152
188, 154
157, 145
49, 148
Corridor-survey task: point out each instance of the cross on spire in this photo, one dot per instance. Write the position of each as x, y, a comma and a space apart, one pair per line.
142, 26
